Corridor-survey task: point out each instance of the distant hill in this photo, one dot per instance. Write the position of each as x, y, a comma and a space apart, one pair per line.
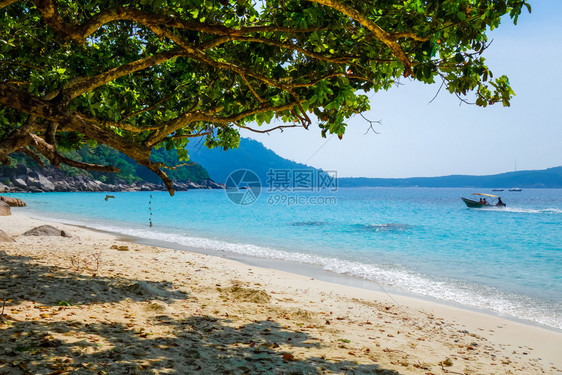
547, 178
251, 154
255, 156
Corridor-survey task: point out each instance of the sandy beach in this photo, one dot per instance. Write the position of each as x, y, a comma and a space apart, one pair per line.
96, 304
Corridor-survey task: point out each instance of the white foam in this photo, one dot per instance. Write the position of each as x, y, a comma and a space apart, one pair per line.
531, 210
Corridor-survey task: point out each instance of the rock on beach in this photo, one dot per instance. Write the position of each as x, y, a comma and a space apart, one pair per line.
4, 209
46, 230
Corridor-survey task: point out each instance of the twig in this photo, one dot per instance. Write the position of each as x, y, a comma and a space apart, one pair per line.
371, 123
75, 262
438, 91
97, 259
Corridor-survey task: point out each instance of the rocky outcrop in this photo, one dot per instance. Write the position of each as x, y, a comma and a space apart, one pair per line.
4, 209
40, 182
46, 230
23, 179
12, 202
4, 237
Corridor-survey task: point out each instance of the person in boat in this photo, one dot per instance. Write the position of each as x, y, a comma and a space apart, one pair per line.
481, 201
484, 201
500, 202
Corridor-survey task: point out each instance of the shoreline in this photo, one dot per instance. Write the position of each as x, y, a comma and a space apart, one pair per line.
313, 271
403, 334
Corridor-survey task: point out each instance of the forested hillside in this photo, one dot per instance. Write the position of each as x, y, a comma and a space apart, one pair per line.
546, 178
131, 171
26, 174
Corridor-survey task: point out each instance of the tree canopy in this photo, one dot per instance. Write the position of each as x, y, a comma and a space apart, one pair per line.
143, 74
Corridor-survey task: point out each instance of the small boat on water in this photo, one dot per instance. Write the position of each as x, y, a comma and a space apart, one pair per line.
495, 201
515, 189
497, 189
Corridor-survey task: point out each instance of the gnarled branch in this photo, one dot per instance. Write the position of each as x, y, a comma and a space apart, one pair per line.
31, 154
280, 127
382, 35
25, 102
5, 3
186, 118
79, 86
79, 33
51, 153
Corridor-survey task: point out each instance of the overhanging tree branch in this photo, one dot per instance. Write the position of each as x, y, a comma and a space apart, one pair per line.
280, 127
79, 33
81, 85
31, 154
55, 158
5, 3
283, 61
18, 138
382, 35
25, 102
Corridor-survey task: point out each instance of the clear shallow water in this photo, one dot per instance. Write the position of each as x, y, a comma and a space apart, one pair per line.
422, 241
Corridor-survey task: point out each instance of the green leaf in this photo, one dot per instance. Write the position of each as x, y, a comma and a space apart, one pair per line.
205, 84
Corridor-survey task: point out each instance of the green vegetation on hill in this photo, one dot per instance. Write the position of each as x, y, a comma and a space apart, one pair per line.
547, 178
131, 171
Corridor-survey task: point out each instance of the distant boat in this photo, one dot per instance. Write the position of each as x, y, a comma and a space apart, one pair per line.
515, 189
495, 201
497, 189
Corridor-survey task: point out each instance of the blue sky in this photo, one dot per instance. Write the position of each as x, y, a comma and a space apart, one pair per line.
418, 138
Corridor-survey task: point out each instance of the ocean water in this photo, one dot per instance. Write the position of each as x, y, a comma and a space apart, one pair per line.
421, 241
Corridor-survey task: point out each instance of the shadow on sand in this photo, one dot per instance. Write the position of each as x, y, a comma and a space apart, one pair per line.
194, 344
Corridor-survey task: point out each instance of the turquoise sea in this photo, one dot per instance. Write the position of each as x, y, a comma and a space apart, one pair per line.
418, 241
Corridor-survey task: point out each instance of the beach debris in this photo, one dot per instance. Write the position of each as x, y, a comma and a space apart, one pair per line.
46, 230
4, 209
288, 357
4, 237
157, 306
76, 263
12, 202
241, 294
120, 247
446, 363
3, 307
421, 366
145, 289
48, 341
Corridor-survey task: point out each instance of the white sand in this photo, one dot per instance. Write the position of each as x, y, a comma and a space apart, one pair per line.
94, 304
